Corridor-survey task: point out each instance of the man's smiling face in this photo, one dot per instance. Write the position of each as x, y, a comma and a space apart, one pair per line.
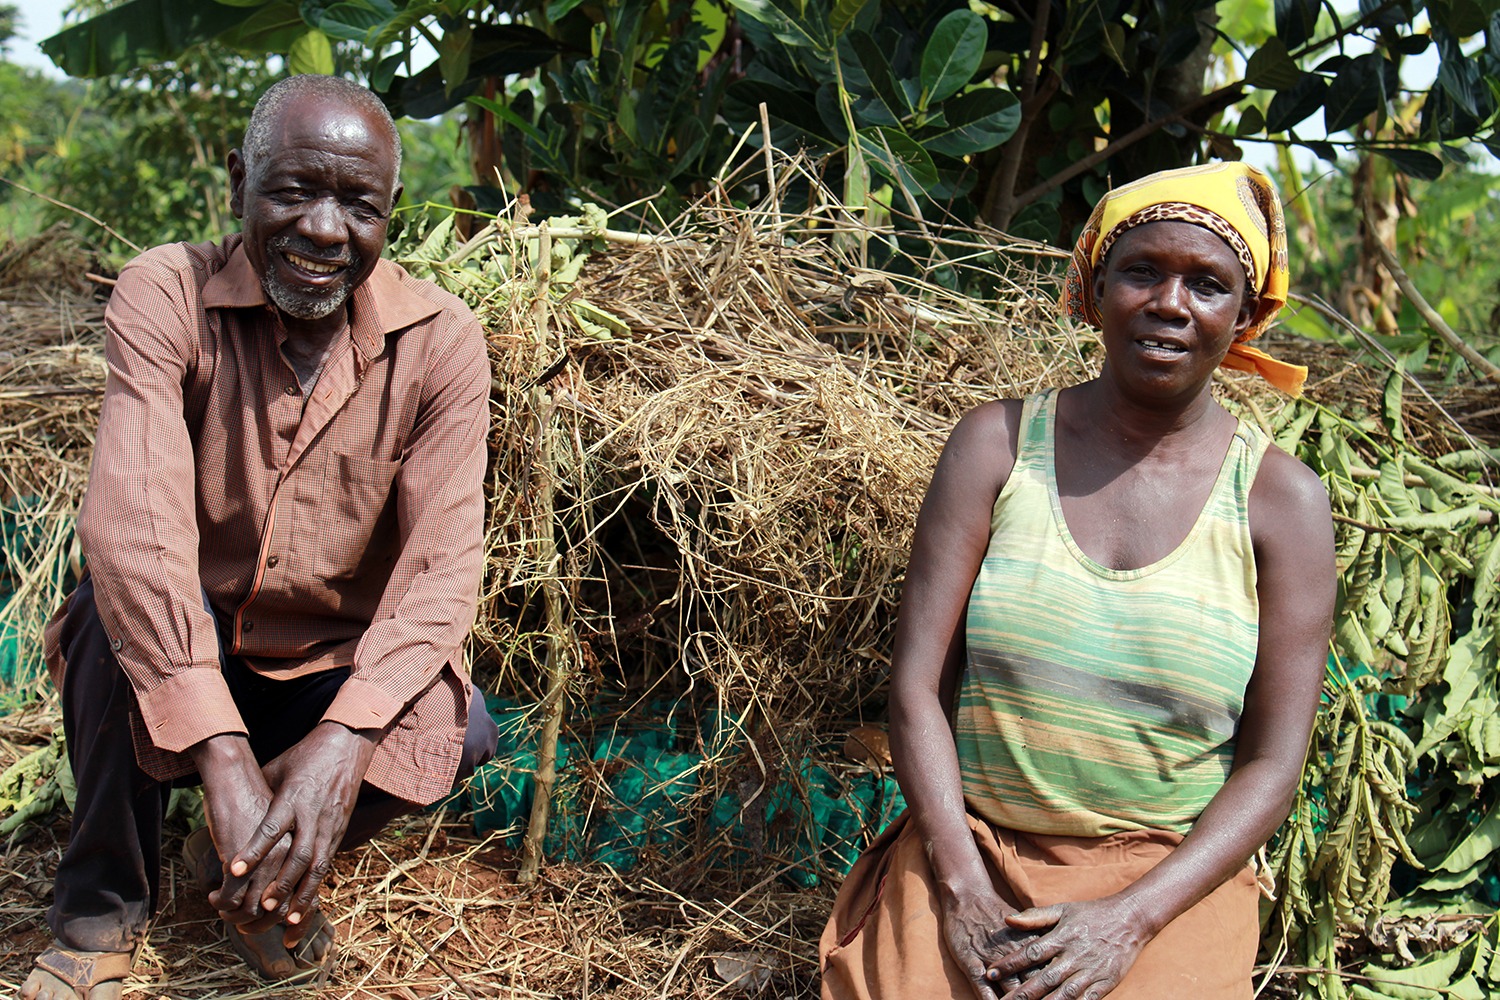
316, 206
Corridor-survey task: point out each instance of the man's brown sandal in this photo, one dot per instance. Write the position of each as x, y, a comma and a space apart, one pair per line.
85, 972
265, 953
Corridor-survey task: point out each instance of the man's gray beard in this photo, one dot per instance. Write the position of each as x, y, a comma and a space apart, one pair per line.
303, 305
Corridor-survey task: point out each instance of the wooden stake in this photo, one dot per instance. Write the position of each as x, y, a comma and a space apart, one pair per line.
559, 664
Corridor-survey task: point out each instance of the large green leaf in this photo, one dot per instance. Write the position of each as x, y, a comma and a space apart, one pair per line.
139, 33
1296, 20
1353, 94
1487, 576
1419, 982
272, 28
882, 79
500, 50
454, 51
899, 158
1271, 68
1457, 73
976, 121
804, 28
843, 14
952, 55
1414, 162
783, 104
310, 53
355, 20
1289, 107
1478, 845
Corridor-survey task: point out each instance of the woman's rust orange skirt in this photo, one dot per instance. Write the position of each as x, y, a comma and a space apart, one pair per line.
884, 940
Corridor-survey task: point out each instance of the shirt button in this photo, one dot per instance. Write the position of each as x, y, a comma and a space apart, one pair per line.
115, 644
291, 390
272, 561
248, 628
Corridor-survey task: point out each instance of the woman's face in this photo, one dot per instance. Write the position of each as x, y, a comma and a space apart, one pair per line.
1172, 299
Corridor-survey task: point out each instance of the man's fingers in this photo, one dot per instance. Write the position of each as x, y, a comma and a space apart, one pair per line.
230, 894
280, 820
292, 868
307, 895
240, 902
299, 879
1075, 987
1059, 981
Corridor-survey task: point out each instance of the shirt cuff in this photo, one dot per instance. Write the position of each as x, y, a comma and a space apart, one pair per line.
363, 705
188, 708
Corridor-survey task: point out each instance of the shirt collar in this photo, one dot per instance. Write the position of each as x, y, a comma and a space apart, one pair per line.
383, 304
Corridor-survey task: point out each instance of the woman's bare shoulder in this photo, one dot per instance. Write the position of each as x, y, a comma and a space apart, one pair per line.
983, 444
987, 422
1288, 500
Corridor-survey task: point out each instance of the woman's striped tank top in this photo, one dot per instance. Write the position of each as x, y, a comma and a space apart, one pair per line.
1097, 700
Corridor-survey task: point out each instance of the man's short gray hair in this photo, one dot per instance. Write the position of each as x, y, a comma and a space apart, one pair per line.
257, 143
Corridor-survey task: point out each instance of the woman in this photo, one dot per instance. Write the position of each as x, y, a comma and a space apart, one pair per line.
1111, 644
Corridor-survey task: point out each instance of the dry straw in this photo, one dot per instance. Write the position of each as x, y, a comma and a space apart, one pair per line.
710, 448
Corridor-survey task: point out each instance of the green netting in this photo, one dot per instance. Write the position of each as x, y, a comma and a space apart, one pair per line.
638, 789
34, 571
10, 650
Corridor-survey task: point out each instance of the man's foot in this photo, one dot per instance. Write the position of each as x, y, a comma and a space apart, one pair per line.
268, 956
266, 952
68, 974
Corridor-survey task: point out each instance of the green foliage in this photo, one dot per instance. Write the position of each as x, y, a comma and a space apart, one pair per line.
1445, 239
632, 95
146, 153
1395, 798
896, 95
640, 108
30, 105
931, 108
33, 786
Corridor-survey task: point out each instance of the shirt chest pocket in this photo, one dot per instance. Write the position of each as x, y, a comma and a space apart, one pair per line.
354, 533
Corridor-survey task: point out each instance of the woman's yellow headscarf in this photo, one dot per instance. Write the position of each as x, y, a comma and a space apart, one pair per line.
1232, 200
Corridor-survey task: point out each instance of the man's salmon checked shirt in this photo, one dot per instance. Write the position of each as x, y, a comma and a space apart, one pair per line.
343, 528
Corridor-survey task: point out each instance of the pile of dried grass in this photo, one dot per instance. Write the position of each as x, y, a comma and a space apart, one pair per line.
51, 377
431, 910
710, 448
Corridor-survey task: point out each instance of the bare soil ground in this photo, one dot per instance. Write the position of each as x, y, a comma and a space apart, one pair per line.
430, 910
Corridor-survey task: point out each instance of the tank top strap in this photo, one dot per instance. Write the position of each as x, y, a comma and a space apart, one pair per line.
1034, 444
1250, 444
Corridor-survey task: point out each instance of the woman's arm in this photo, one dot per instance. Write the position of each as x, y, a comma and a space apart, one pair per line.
1086, 948
952, 534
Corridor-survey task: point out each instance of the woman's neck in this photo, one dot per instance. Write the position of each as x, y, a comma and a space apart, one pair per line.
1140, 426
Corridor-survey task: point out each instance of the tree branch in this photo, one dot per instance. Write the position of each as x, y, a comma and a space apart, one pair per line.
1480, 363
1223, 97
999, 198
1227, 94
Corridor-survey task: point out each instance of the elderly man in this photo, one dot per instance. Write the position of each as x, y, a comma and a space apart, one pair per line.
283, 534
